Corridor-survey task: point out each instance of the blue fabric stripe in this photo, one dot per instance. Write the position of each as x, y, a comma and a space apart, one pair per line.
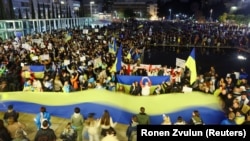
128, 80
37, 68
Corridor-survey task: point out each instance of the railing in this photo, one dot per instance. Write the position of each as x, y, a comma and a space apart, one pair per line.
10, 28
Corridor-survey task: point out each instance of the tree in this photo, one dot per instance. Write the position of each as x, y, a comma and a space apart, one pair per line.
19, 14
129, 13
44, 11
33, 15
11, 10
53, 11
38, 11
2, 11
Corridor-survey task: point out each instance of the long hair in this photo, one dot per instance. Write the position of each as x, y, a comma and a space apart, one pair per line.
105, 120
1, 124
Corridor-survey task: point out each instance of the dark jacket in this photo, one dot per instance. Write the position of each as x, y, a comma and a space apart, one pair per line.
45, 135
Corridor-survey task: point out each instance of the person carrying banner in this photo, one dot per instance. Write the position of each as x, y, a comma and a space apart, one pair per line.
145, 91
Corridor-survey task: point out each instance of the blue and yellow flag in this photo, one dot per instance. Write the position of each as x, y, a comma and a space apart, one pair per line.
36, 70
112, 47
118, 61
191, 65
129, 54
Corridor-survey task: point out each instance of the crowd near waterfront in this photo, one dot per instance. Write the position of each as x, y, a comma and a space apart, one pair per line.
70, 60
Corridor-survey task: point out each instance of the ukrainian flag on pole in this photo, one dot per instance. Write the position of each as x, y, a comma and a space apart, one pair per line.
112, 47
191, 65
118, 61
129, 54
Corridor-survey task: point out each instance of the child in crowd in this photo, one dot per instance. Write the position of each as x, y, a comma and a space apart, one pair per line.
66, 87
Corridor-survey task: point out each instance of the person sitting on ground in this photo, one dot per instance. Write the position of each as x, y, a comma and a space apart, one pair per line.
68, 134
166, 120
21, 135
110, 136
180, 121
196, 118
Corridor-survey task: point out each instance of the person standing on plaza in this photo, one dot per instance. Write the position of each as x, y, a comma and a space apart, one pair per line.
106, 123
142, 117
11, 113
45, 133
42, 115
77, 122
92, 126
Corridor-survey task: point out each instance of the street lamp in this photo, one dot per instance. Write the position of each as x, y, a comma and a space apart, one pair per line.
211, 12
91, 3
170, 10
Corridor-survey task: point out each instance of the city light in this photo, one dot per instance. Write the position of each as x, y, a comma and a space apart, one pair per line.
241, 57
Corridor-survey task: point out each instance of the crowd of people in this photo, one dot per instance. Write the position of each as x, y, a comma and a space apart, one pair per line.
76, 61
89, 127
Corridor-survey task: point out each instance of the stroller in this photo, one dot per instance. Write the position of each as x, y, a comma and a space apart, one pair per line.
68, 134
69, 137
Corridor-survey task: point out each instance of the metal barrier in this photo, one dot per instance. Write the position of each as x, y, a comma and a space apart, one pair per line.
10, 28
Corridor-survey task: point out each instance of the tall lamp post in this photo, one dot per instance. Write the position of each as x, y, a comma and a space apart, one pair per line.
91, 3
211, 13
170, 10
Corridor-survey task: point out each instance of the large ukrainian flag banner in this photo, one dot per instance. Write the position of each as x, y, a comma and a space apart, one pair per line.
120, 106
35, 70
127, 80
191, 64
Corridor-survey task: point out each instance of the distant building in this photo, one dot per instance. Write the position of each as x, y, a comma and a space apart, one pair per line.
140, 7
24, 5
